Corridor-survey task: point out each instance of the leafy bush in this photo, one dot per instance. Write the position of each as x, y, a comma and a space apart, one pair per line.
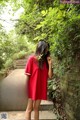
19, 55
1, 62
8, 64
52, 88
58, 24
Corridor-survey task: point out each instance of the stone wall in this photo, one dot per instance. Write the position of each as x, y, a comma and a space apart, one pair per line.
70, 86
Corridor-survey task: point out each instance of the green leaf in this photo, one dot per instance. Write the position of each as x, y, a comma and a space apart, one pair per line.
44, 13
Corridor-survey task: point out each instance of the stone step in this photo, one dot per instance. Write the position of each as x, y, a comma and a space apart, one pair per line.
46, 105
19, 67
20, 115
20, 64
20, 61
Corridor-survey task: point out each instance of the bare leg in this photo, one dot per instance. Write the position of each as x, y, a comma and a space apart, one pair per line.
36, 109
29, 109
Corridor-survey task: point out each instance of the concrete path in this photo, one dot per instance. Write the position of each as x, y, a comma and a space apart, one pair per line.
13, 91
20, 115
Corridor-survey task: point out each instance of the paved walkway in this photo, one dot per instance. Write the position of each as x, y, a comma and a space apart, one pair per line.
20, 115
13, 95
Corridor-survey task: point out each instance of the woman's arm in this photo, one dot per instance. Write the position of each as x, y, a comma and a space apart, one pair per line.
27, 77
50, 71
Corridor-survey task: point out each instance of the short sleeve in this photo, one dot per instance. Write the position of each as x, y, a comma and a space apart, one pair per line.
28, 68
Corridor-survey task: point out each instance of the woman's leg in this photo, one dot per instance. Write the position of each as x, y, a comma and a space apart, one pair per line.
29, 109
36, 109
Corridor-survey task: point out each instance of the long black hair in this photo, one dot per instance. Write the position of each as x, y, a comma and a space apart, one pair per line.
42, 50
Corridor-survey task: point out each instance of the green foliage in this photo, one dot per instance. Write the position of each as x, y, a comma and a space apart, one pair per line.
47, 19
52, 86
2, 3
1, 62
12, 47
58, 24
20, 55
8, 64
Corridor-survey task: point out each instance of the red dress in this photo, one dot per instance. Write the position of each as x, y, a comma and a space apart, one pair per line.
37, 84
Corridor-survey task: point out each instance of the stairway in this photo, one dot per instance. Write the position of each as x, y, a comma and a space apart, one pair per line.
20, 64
46, 113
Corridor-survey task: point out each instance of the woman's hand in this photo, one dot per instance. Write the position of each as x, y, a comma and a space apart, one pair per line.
49, 60
50, 71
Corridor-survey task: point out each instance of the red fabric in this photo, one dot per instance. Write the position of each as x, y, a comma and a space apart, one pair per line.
37, 84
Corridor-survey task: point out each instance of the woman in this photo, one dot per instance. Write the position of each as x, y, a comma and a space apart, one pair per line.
38, 69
